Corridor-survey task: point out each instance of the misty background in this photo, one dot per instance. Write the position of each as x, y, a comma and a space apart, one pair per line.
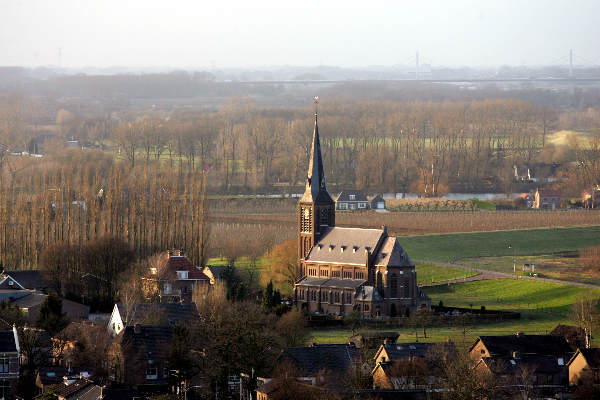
225, 34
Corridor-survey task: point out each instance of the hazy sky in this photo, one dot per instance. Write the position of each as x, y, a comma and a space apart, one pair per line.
251, 33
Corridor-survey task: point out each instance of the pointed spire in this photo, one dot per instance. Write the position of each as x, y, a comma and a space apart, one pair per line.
316, 174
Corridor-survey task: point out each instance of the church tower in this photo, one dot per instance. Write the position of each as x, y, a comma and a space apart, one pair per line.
316, 208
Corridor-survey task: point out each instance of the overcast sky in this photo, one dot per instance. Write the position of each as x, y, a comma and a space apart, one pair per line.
253, 33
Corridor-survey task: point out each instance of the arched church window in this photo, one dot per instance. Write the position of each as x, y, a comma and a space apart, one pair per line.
406, 288
393, 286
379, 282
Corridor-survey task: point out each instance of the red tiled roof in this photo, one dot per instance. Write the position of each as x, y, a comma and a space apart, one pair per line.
171, 264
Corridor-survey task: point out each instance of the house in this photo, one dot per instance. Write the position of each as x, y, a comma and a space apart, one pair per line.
392, 351
373, 340
321, 364
574, 335
151, 314
175, 278
74, 388
591, 197
352, 200
27, 279
9, 363
140, 355
540, 372
377, 202
341, 269
521, 345
55, 375
584, 365
32, 303
546, 199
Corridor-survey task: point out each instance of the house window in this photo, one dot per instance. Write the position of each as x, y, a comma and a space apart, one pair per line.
343, 206
182, 274
151, 373
4, 388
366, 307
167, 288
352, 197
362, 205
406, 288
4, 363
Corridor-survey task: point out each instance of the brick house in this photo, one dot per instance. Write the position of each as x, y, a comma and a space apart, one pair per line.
546, 199
585, 364
352, 200
140, 354
175, 278
9, 363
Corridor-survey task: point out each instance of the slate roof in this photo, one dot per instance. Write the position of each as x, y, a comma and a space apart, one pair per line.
171, 264
331, 282
29, 279
354, 242
368, 293
217, 270
7, 341
376, 198
316, 190
345, 196
55, 374
538, 364
170, 312
322, 357
31, 300
150, 343
79, 386
397, 351
505, 345
391, 254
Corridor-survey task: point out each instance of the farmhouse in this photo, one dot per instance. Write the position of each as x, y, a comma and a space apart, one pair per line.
342, 269
585, 365
546, 199
352, 200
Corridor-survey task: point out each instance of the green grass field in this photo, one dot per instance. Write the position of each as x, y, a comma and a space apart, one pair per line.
542, 306
454, 247
427, 273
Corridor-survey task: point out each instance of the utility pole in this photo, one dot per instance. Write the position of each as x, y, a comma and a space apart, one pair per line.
417, 66
571, 63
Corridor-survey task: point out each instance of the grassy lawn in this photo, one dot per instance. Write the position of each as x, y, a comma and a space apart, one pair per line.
454, 247
427, 273
542, 306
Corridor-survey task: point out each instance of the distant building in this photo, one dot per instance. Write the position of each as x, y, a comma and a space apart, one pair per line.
546, 199
32, 303
175, 278
377, 202
352, 200
528, 199
591, 197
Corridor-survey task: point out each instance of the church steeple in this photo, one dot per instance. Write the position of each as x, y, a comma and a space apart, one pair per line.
316, 208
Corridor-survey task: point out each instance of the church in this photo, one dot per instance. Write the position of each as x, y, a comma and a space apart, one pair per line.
342, 269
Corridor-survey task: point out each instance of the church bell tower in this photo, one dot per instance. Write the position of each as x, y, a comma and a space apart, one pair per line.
316, 208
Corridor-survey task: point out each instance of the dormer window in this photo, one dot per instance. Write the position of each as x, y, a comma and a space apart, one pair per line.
352, 197
354, 248
182, 274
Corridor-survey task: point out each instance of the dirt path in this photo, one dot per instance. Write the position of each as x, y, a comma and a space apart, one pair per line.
486, 274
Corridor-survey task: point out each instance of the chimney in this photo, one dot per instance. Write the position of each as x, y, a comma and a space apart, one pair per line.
385, 233
137, 329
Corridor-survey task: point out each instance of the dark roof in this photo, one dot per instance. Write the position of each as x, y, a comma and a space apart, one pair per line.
345, 196
391, 254
173, 263
171, 313
376, 198
539, 364
396, 351
322, 357
55, 374
149, 342
218, 270
29, 279
80, 386
353, 242
592, 356
31, 300
331, 282
504, 346
7, 341
316, 190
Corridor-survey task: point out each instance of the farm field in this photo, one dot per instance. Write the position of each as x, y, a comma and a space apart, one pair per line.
427, 273
542, 307
565, 267
458, 247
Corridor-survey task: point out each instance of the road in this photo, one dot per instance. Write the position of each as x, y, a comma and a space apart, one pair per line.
487, 274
